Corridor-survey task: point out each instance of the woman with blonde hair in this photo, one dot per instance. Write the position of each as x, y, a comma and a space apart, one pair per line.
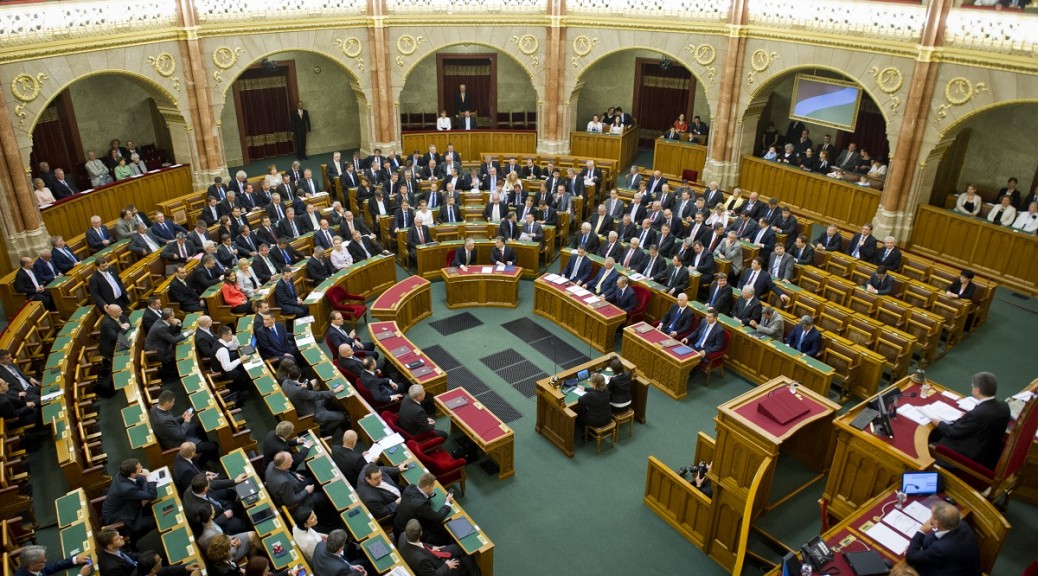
273, 176
43, 194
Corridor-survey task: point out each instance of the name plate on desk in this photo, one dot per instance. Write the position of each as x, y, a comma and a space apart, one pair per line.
386, 334
400, 351
782, 406
421, 371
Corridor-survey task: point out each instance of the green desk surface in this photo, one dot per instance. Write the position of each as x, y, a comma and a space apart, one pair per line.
60, 428
179, 545
265, 383
212, 290
55, 362
70, 507
58, 281
323, 469
201, 400
360, 524
267, 526
245, 325
473, 542
374, 427
185, 351
413, 473
61, 343
168, 514
398, 456
122, 379
52, 410
386, 562
193, 383
288, 556
211, 419
140, 435
235, 463
164, 491
326, 371
256, 371
313, 355
813, 363
341, 494
80, 312
133, 414
75, 537
136, 316
277, 403
186, 366
121, 362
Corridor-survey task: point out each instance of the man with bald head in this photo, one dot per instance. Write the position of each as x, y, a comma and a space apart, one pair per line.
288, 488
351, 460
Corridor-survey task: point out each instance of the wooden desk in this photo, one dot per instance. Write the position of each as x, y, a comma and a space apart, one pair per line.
597, 327
661, 366
556, 419
490, 434
471, 143
432, 257
388, 337
70, 217
365, 278
864, 464
477, 287
620, 147
674, 157
405, 303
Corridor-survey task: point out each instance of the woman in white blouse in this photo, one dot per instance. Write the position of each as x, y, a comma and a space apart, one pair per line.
878, 170
273, 176
340, 257
1003, 214
303, 532
969, 203
248, 282
43, 194
617, 127
425, 213
444, 121
719, 215
98, 172
595, 125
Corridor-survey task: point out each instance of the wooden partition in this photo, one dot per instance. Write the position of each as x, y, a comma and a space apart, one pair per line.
72, 216
471, 143
991, 250
816, 195
623, 147
674, 157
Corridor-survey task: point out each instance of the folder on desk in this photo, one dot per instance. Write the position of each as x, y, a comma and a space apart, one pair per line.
669, 343
456, 402
460, 527
386, 334
400, 351
782, 406
643, 328
599, 304
421, 371
682, 350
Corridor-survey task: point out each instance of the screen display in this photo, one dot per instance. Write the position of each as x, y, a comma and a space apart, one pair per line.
583, 374
919, 483
825, 101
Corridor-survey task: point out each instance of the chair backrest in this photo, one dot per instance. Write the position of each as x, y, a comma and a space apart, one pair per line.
448, 258
1014, 455
336, 294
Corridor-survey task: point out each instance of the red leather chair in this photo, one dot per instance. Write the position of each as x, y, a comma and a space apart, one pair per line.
448, 259
690, 175
638, 314
366, 395
715, 360
351, 305
447, 469
997, 484
424, 439
335, 351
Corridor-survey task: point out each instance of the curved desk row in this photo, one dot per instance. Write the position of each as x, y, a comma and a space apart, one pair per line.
482, 286
365, 278
434, 256
595, 325
407, 302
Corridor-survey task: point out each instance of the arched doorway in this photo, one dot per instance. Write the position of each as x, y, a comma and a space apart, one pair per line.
91, 111
272, 85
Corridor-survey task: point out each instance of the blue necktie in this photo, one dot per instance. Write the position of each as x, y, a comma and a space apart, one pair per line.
284, 254
800, 345
675, 320
291, 289
702, 338
126, 557
714, 296
274, 331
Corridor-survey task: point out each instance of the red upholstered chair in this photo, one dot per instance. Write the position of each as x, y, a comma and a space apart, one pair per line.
351, 305
1031, 570
448, 259
335, 350
366, 395
690, 175
997, 484
638, 314
447, 469
715, 360
425, 439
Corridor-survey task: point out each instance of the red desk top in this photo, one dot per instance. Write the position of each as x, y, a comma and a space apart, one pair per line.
750, 412
838, 564
391, 297
396, 341
655, 336
608, 311
905, 429
480, 420
477, 269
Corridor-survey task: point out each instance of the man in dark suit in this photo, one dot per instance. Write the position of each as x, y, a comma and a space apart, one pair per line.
759, 279
300, 127
701, 261
26, 282
502, 253
199, 501
383, 390
655, 185
466, 255
152, 313
212, 212
287, 488
802, 251
604, 283
624, 296
64, 258
205, 275
328, 559
578, 269
275, 342
944, 545
32, 561
161, 339
44, 267
179, 251
351, 461
318, 267
378, 492
285, 296
719, 295
611, 248
172, 430
418, 234
744, 227
863, 245
428, 560
283, 439
21, 385
413, 417
708, 337
890, 255
165, 231
979, 433
509, 228
626, 229
805, 338
830, 239
284, 254
748, 307
416, 504
114, 324
106, 288
114, 560
646, 235
764, 238
678, 320
654, 265
97, 235
880, 283
126, 499
637, 209
781, 264
675, 277
63, 188
363, 247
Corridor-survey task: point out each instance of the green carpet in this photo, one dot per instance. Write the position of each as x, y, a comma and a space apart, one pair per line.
585, 515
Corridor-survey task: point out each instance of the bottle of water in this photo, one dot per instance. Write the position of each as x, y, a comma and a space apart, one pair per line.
806, 569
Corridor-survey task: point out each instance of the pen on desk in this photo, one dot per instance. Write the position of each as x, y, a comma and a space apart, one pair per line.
872, 427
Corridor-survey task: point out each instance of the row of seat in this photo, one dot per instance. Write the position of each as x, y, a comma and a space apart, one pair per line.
505, 121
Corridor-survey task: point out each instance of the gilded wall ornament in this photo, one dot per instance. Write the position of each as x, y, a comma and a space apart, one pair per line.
164, 64
705, 55
224, 57
406, 45
889, 80
582, 46
528, 45
351, 48
760, 61
958, 91
25, 89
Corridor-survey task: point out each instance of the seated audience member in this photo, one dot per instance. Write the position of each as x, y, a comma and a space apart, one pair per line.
719, 295
863, 244
28, 283
162, 338
416, 504
285, 295
747, 308
429, 560
805, 338
1003, 214
126, 499
830, 239
233, 295
363, 247
288, 488
944, 545
64, 258
593, 407
969, 203
979, 433
351, 460
203, 520
578, 269
1011, 191
283, 439
963, 287
678, 319
383, 390
328, 559
308, 401
771, 324
1027, 221
62, 188
378, 492
304, 534
185, 470
413, 417
880, 283
708, 337
172, 430
604, 283
274, 342
889, 256
43, 195
619, 386
624, 296
114, 560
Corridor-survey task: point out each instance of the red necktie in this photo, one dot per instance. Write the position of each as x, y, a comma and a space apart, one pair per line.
437, 553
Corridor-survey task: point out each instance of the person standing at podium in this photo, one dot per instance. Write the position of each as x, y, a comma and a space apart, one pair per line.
978, 434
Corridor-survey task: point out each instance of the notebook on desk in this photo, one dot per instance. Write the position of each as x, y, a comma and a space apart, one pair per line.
400, 351
643, 328
386, 334
460, 527
866, 563
669, 343
421, 371
456, 402
246, 490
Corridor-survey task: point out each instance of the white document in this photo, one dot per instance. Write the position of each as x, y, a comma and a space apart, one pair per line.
951, 395
257, 363
525, 237
942, 411
161, 476
52, 396
398, 571
574, 289
913, 414
373, 453
887, 538
968, 403
592, 299
302, 342
904, 523
500, 267
307, 319
488, 269
393, 439
558, 280
636, 277
1024, 396
579, 391
918, 512
582, 292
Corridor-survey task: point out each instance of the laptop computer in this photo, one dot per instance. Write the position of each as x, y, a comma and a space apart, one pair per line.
920, 483
261, 515
866, 563
583, 374
247, 490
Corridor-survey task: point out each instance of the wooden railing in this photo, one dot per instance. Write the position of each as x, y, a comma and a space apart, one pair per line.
471, 143
621, 147
674, 157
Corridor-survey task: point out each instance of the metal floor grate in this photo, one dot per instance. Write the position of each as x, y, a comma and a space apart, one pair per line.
526, 329
456, 323
501, 359
502, 409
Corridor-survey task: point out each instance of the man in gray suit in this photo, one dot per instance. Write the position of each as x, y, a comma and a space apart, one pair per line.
780, 265
770, 324
731, 250
171, 430
328, 559
308, 401
287, 488
143, 242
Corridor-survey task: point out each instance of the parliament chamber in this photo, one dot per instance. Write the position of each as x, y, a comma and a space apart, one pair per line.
574, 286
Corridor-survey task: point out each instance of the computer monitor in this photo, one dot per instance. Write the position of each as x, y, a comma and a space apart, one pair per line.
791, 565
920, 483
886, 404
583, 374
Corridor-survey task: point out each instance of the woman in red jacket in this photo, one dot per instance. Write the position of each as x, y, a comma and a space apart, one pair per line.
233, 296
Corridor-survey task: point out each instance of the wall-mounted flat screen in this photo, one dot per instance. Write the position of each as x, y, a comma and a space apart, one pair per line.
824, 101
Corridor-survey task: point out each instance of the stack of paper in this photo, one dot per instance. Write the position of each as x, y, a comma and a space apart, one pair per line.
305, 319
592, 299
913, 414
902, 522
488, 269
918, 512
968, 403
581, 292
887, 538
574, 289
942, 411
500, 267
579, 391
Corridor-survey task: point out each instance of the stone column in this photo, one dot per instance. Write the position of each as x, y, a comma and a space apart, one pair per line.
722, 162
21, 224
384, 112
892, 217
205, 137
553, 137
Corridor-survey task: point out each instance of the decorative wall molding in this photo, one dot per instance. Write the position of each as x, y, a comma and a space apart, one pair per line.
42, 22
582, 46
528, 45
889, 21
957, 91
463, 6
760, 61
710, 10
224, 58
406, 45
165, 65
352, 48
889, 80
259, 11
705, 55
26, 88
